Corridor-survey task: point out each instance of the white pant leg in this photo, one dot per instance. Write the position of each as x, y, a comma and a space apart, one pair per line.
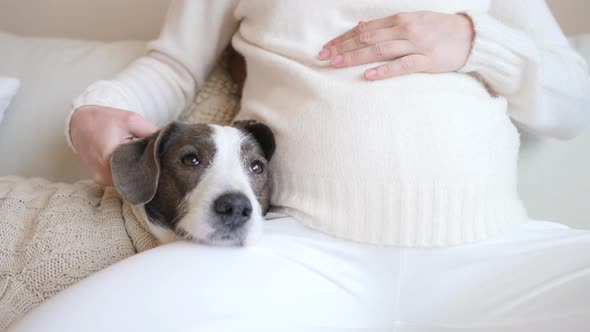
292, 277
533, 278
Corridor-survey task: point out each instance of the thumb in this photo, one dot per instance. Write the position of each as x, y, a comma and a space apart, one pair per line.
140, 127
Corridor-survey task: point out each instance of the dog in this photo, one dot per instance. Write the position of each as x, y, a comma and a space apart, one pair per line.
199, 182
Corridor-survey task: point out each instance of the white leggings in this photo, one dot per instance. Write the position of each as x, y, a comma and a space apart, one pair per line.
295, 279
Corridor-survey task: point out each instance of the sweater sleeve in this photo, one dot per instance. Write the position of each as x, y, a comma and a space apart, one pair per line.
521, 53
162, 83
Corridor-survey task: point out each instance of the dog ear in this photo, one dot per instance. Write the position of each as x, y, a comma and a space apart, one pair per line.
136, 167
261, 133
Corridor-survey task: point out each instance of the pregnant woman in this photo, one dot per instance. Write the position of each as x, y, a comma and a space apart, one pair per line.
394, 179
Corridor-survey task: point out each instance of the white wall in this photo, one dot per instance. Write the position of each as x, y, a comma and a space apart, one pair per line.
573, 15
141, 19
87, 19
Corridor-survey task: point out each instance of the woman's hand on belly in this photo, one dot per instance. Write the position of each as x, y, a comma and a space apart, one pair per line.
414, 42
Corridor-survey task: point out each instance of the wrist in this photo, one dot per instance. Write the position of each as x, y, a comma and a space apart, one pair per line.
70, 119
468, 26
496, 55
73, 121
71, 126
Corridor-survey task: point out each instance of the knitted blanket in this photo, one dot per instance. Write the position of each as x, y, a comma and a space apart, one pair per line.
53, 235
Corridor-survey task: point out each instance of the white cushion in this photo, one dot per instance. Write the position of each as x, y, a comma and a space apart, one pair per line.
8, 88
52, 73
553, 175
582, 44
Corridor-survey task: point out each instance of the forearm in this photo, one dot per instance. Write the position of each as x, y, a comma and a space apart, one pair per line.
152, 87
161, 84
544, 80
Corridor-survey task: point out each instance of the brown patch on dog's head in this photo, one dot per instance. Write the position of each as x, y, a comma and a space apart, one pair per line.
160, 170
261, 133
259, 145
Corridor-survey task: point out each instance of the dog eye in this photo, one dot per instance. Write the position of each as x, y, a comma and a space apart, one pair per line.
257, 167
190, 160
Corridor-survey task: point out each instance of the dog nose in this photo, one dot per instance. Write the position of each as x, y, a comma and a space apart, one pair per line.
234, 209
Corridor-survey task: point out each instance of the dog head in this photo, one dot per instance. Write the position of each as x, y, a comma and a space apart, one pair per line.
199, 182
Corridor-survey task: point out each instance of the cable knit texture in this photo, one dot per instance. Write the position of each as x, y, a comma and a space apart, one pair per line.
55, 234
418, 160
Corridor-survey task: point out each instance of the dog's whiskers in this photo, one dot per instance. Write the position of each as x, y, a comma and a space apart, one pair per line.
183, 234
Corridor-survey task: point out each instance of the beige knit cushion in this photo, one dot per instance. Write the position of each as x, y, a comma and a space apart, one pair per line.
218, 101
54, 234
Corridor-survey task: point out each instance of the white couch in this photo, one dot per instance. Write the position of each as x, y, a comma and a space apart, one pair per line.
52, 72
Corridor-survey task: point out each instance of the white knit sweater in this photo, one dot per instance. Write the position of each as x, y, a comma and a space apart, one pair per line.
419, 160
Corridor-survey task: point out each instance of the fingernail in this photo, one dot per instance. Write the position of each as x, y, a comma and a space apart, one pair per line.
371, 73
325, 54
337, 60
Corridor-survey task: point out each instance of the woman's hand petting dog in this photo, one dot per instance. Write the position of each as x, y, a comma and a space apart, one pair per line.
414, 42
96, 131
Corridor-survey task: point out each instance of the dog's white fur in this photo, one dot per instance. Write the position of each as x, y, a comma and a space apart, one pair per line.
226, 174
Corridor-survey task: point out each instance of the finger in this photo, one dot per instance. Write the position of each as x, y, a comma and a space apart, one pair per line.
140, 127
414, 63
366, 39
361, 27
383, 51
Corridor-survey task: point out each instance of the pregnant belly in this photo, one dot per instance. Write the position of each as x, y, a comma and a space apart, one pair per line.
425, 125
